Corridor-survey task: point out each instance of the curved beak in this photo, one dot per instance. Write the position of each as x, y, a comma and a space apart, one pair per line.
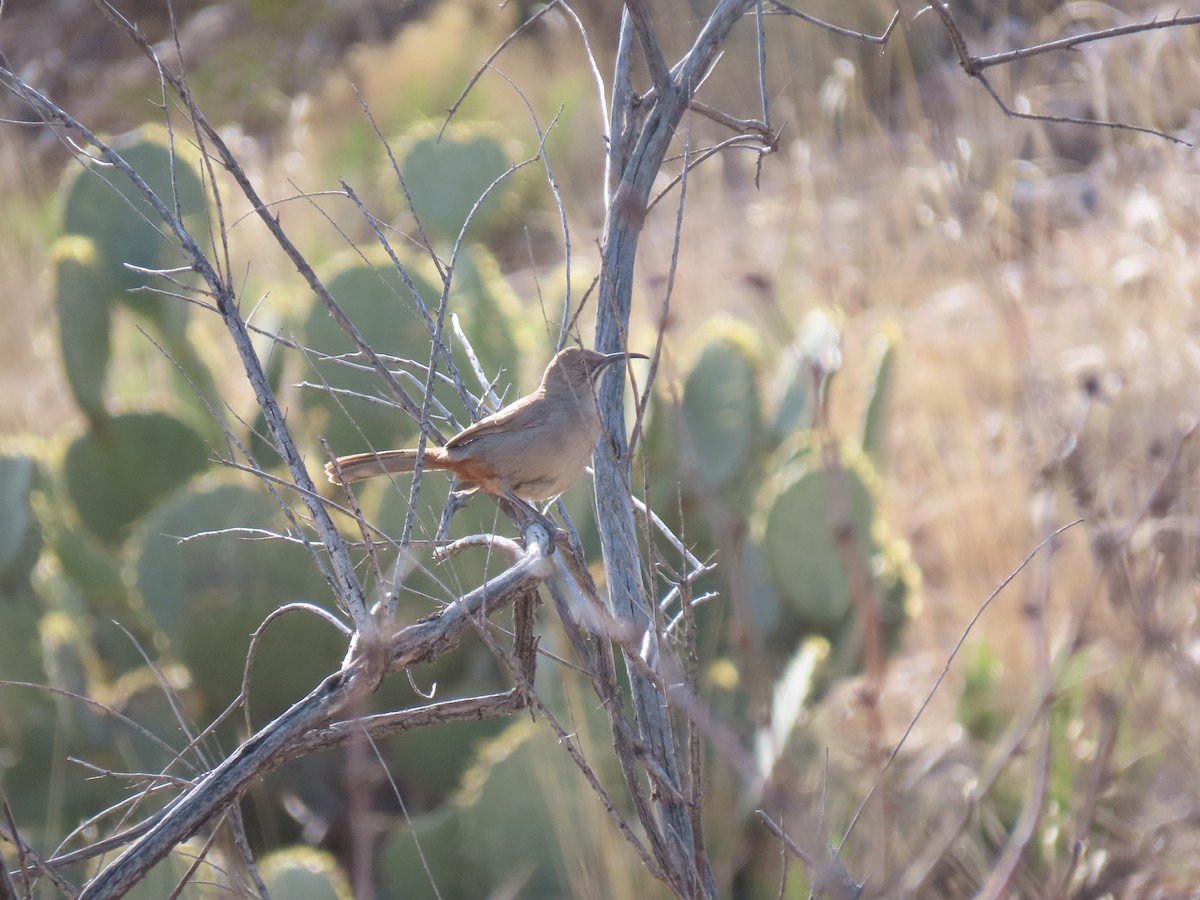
597, 374
618, 357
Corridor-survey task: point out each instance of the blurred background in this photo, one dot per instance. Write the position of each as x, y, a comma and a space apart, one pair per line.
912, 344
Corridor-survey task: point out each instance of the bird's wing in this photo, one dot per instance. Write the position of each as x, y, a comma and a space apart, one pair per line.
513, 418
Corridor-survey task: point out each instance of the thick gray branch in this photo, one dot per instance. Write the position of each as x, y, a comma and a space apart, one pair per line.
634, 176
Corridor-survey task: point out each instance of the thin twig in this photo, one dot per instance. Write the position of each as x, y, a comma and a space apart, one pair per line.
946, 669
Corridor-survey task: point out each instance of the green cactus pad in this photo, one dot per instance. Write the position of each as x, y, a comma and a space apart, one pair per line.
381, 307
803, 558
874, 425
721, 409
103, 205
435, 841
794, 390
302, 873
83, 287
490, 312
117, 473
446, 178
208, 595
17, 524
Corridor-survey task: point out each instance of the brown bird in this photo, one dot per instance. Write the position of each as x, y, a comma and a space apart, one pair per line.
533, 448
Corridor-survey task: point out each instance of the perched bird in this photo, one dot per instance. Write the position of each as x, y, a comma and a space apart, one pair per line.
534, 448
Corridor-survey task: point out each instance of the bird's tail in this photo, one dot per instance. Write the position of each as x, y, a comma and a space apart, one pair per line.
382, 462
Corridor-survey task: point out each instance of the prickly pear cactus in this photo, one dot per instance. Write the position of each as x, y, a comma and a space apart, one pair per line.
208, 594
116, 473
109, 230
105, 207
469, 842
490, 312
303, 873
83, 289
435, 841
447, 177
874, 424
721, 407
20, 533
381, 306
800, 542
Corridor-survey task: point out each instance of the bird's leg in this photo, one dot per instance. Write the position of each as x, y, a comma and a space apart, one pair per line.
538, 516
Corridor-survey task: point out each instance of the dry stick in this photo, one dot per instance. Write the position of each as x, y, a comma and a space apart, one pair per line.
757, 128
169, 694
562, 213
921, 868
101, 847
383, 766
829, 875
422, 236
356, 774
594, 67
783, 8
640, 409
186, 877
99, 707
24, 852
720, 738
233, 441
487, 63
762, 64
695, 744
418, 302
1004, 871
914, 881
621, 133
762, 87
656, 356
525, 642
638, 144
998, 59
21, 866
643, 25
256, 636
7, 890
222, 231
946, 669
701, 156
241, 842
558, 202
205, 130
380, 725
437, 346
971, 66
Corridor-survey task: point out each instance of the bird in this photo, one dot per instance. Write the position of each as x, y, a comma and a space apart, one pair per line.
534, 448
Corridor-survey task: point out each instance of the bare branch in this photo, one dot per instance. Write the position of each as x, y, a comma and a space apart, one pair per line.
780, 7
971, 65
829, 876
978, 63
643, 24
